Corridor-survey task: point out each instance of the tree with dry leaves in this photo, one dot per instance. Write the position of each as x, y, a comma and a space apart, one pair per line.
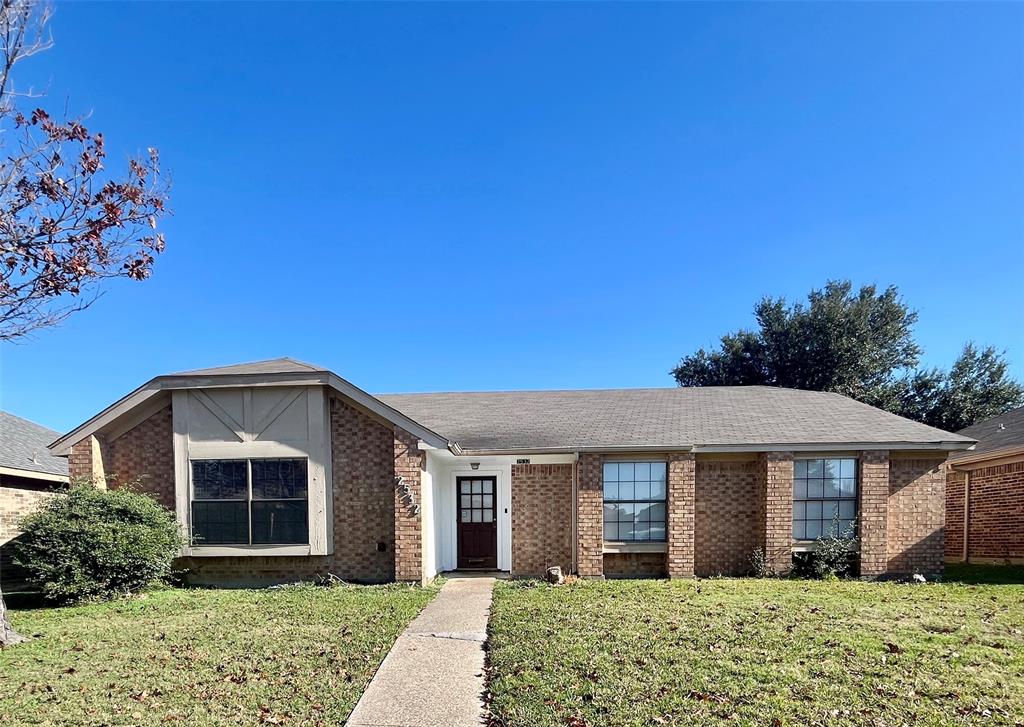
66, 223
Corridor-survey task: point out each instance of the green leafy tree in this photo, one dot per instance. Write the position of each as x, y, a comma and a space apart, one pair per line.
859, 344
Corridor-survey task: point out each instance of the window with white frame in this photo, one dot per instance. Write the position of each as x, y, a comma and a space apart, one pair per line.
634, 501
824, 497
250, 502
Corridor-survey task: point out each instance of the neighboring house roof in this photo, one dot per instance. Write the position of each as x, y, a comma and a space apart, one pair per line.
740, 417
722, 417
23, 449
998, 436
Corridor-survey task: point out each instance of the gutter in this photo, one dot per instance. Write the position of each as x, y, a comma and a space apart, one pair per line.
942, 446
992, 454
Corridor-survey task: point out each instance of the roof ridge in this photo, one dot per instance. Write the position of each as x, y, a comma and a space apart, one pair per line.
600, 390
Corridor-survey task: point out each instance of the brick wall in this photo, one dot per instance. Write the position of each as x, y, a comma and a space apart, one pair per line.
145, 452
954, 515
18, 501
409, 464
541, 518
80, 460
775, 509
681, 484
995, 514
362, 472
916, 516
19, 496
590, 516
725, 526
635, 565
873, 513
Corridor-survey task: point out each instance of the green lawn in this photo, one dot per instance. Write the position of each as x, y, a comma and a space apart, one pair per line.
298, 655
772, 652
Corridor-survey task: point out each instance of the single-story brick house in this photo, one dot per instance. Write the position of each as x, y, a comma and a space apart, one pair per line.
985, 493
283, 470
29, 475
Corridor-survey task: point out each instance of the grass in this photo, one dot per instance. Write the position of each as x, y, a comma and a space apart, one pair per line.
297, 655
773, 652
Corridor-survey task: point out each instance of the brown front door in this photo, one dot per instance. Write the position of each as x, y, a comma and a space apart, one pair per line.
477, 506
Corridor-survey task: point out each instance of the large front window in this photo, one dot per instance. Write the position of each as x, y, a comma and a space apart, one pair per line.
824, 497
634, 501
250, 502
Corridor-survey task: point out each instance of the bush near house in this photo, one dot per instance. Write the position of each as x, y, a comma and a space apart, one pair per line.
97, 543
757, 651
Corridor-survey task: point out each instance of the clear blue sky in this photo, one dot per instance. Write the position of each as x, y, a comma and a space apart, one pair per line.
453, 197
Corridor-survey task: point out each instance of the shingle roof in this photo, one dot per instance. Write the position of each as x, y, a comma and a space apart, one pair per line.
23, 446
650, 418
999, 432
270, 366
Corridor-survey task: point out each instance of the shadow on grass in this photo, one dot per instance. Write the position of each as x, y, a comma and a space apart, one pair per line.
984, 574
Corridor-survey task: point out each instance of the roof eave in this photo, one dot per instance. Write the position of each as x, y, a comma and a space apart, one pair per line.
33, 474
725, 448
991, 454
62, 446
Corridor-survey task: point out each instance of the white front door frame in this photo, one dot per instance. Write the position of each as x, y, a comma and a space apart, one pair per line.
445, 468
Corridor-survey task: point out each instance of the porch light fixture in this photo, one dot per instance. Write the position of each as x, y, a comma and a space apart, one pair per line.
474, 465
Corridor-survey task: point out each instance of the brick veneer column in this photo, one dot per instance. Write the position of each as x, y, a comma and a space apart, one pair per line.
775, 481
409, 463
873, 513
681, 506
89, 460
541, 518
589, 516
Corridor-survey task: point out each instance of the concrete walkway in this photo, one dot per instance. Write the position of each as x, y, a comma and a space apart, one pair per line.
434, 674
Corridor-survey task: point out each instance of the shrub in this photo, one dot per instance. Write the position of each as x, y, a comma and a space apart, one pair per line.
759, 567
833, 556
96, 543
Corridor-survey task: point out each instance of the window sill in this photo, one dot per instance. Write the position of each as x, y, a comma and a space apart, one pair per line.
627, 547
222, 551
809, 546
